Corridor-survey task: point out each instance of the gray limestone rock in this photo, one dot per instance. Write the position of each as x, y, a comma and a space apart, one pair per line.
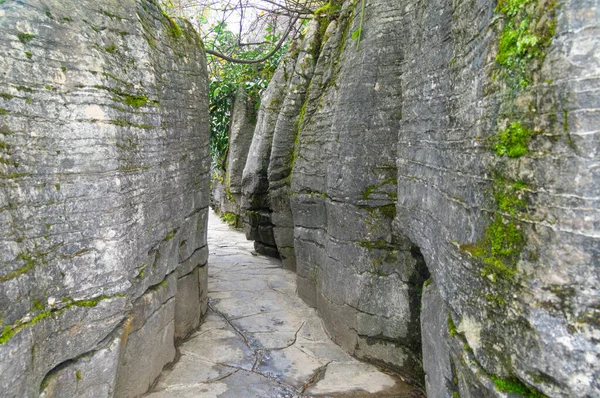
437, 361
243, 123
226, 186
103, 183
255, 202
90, 375
503, 233
429, 147
285, 141
352, 266
188, 304
150, 345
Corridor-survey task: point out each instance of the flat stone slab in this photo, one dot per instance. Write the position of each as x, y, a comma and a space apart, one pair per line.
260, 340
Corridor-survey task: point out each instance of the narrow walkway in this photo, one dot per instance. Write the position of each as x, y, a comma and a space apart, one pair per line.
260, 340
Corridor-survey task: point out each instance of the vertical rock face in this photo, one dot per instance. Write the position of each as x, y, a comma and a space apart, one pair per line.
243, 122
498, 185
452, 142
104, 172
285, 140
361, 275
226, 186
255, 181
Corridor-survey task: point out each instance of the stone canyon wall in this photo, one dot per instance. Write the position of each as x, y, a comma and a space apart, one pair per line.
104, 175
430, 170
226, 185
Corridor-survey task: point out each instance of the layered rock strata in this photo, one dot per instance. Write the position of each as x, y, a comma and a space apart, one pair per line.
226, 185
256, 201
443, 190
104, 171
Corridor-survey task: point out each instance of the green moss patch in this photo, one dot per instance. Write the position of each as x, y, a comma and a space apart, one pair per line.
325, 14
25, 38
369, 190
515, 386
125, 123
513, 141
29, 261
527, 30
451, 326
10, 330
135, 100
503, 240
172, 27
529, 26
376, 245
111, 49
111, 15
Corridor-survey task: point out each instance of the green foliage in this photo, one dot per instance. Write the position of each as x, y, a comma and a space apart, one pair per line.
226, 78
26, 37
232, 219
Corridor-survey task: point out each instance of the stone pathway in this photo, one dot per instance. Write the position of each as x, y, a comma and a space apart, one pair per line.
260, 340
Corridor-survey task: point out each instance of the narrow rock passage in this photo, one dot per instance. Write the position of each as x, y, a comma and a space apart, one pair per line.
260, 340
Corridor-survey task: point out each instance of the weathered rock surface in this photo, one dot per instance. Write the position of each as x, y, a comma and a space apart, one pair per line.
502, 230
104, 193
363, 277
226, 186
91, 375
285, 136
443, 146
255, 203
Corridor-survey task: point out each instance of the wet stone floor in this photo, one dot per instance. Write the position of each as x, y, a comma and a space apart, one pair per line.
259, 339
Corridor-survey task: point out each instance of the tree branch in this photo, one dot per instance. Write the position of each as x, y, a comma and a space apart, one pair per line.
259, 60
